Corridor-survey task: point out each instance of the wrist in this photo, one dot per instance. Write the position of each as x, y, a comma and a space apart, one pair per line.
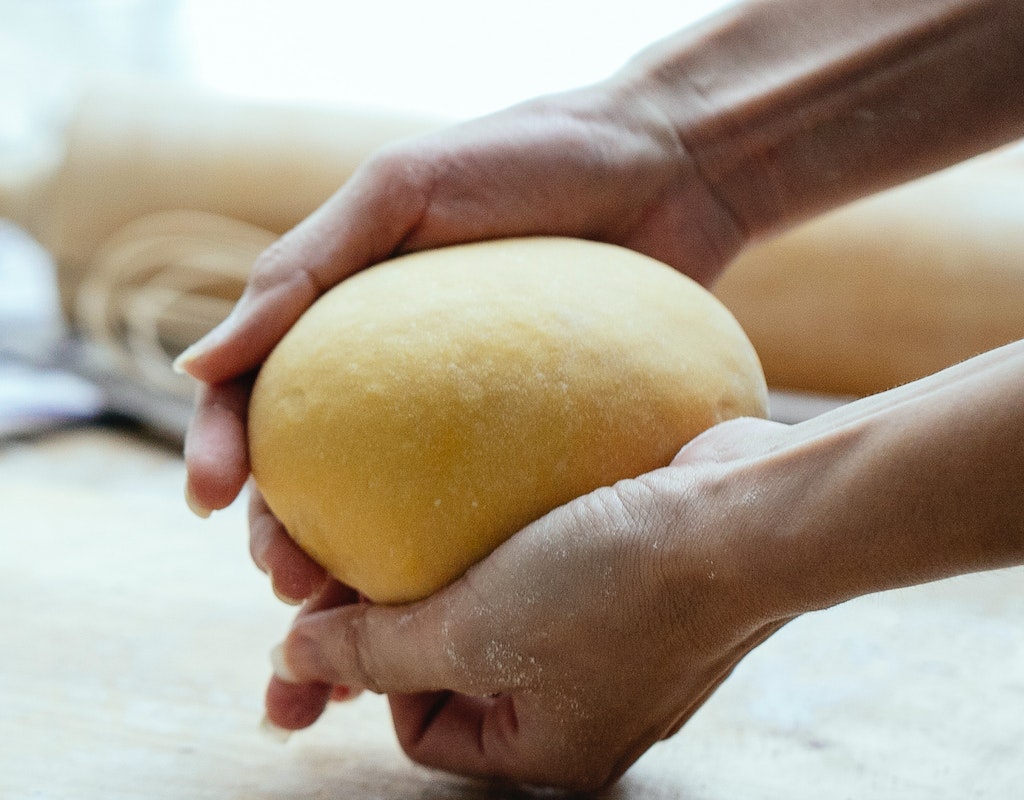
722, 553
913, 485
695, 218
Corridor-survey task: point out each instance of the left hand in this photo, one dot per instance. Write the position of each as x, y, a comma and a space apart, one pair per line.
599, 163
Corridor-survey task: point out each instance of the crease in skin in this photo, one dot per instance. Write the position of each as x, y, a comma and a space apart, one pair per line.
688, 145
429, 717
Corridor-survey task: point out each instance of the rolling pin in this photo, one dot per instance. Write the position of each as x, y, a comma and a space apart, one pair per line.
890, 288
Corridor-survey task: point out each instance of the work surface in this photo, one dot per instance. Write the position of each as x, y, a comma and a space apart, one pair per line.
136, 641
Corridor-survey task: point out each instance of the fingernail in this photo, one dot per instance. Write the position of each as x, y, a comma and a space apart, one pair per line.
281, 669
274, 731
185, 359
197, 349
200, 348
292, 601
196, 507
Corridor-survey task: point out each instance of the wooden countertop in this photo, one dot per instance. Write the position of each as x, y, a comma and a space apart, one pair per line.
136, 655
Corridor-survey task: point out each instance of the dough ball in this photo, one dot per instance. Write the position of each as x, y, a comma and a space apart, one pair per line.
424, 410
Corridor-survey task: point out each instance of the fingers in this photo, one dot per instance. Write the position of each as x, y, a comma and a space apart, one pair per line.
295, 706
216, 450
292, 705
385, 649
458, 733
281, 286
445, 642
519, 737
294, 576
364, 223
455, 704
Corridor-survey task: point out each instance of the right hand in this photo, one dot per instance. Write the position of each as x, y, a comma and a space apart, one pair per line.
582, 640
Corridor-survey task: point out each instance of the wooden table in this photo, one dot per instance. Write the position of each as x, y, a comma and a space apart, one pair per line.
136, 654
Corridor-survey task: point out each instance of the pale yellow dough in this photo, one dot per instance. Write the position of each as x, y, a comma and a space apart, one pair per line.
424, 410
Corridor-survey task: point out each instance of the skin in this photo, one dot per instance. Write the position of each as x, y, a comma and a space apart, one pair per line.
726, 133
674, 576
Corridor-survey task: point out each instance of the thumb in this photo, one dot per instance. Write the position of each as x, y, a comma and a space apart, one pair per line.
386, 649
284, 281
361, 224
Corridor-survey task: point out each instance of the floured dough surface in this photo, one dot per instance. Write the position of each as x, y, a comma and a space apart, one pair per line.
427, 408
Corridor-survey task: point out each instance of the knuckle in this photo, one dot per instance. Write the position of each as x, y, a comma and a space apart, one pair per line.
481, 648
366, 670
465, 641
271, 266
627, 505
286, 264
396, 168
389, 161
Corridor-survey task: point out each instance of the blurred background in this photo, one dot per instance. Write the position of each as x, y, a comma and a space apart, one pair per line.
149, 149
104, 104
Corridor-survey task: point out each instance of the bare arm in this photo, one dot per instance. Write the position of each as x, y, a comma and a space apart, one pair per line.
791, 107
916, 484
763, 116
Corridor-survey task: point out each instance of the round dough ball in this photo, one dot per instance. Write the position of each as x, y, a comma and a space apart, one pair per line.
424, 410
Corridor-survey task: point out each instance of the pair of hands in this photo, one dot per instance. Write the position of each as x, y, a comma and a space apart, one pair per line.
602, 627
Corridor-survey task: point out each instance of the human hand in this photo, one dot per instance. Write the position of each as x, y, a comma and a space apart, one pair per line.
601, 163
580, 642
604, 625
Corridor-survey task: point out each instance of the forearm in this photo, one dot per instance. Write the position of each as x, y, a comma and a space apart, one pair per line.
913, 485
791, 107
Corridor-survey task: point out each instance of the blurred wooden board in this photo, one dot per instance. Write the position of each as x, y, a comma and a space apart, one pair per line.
136, 640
